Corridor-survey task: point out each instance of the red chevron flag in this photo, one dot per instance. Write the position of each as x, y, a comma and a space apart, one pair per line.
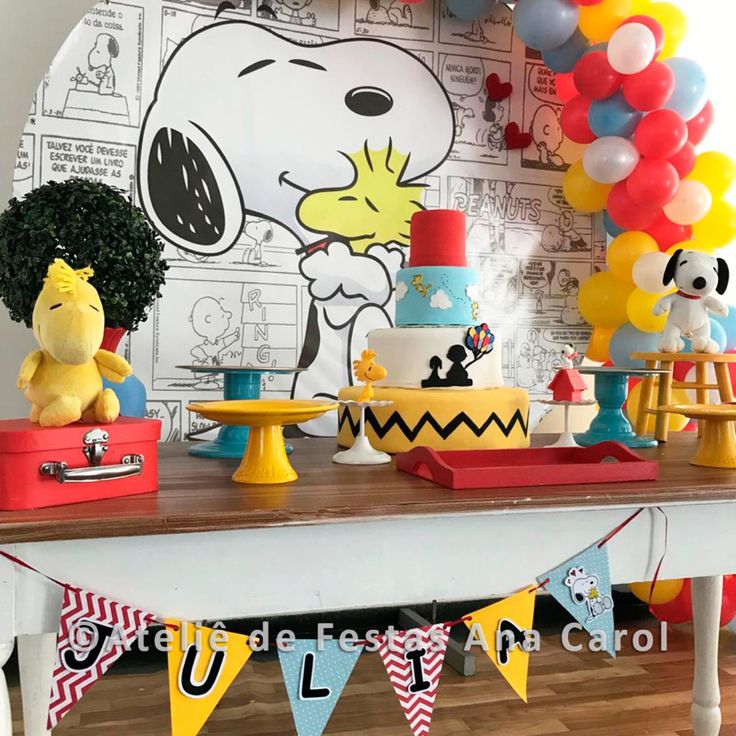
413, 660
93, 633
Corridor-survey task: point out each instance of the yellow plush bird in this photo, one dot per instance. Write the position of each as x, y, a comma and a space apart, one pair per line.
63, 380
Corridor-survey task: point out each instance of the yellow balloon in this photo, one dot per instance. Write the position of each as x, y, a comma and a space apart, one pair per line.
716, 170
625, 250
665, 591
718, 227
598, 22
676, 422
639, 310
599, 347
602, 300
695, 245
582, 192
674, 24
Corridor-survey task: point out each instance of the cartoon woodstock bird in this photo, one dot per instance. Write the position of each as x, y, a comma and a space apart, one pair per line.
63, 380
366, 370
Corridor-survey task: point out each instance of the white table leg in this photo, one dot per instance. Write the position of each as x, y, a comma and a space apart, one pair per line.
36, 655
6, 722
706, 712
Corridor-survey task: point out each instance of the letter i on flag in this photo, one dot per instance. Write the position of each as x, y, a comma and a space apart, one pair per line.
413, 660
203, 663
505, 628
315, 680
583, 586
93, 633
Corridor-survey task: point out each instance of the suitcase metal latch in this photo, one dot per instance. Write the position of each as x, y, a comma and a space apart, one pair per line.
94, 448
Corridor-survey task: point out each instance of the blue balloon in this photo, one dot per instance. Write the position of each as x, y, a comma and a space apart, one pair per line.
563, 59
545, 24
596, 47
470, 10
613, 116
691, 87
717, 333
611, 227
628, 339
729, 325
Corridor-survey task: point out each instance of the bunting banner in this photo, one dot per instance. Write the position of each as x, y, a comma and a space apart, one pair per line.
583, 586
203, 663
315, 680
505, 634
413, 660
93, 632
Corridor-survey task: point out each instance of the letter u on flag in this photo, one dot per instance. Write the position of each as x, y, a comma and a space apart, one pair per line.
413, 660
315, 680
505, 628
203, 663
93, 632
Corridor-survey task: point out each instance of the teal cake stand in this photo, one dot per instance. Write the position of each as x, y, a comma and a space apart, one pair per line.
239, 382
611, 424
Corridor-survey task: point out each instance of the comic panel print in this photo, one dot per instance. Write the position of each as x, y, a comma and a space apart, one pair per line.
298, 14
168, 412
479, 121
494, 31
395, 19
97, 74
25, 163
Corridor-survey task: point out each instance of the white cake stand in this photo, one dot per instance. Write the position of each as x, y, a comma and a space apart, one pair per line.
566, 439
362, 452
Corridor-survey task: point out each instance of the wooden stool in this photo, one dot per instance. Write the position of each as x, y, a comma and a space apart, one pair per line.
717, 446
666, 361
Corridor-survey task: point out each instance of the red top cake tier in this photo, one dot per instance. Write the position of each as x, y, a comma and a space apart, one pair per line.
437, 238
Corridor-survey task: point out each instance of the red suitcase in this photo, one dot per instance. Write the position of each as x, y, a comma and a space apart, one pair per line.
52, 466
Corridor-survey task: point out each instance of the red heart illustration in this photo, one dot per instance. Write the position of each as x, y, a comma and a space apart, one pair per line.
515, 138
498, 90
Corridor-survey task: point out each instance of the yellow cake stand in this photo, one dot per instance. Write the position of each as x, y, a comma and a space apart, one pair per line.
265, 460
717, 445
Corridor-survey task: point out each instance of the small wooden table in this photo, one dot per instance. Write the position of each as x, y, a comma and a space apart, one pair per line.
345, 537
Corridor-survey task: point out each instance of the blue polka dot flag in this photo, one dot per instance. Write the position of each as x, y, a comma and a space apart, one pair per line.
583, 586
315, 680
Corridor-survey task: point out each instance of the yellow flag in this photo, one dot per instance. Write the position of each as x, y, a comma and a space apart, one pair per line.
504, 628
202, 665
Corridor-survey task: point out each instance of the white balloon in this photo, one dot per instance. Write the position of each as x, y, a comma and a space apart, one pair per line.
610, 159
631, 48
691, 203
648, 272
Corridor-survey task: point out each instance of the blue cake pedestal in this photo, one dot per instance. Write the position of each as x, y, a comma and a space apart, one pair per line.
611, 424
239, 382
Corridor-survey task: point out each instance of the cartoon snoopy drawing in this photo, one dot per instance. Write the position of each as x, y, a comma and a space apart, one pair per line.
584, 591
218, 143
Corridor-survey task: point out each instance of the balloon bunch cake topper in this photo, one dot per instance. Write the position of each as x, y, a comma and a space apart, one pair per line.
640, 110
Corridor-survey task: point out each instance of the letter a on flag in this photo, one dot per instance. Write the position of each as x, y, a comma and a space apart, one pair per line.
201, 669
93, 633
413, 660
505, 627
315, 680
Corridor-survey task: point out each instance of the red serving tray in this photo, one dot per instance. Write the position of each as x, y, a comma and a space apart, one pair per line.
545, 466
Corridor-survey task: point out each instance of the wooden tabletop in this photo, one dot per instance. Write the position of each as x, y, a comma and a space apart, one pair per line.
197, 495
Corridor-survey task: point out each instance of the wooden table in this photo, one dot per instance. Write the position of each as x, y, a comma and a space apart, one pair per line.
346, 537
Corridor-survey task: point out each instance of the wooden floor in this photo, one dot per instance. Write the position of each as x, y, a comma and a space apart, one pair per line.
569, 693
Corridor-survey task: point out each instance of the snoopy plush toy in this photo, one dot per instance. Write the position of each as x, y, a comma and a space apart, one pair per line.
696, 276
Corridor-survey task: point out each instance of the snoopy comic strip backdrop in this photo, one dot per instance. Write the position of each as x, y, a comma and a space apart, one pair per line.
280, 148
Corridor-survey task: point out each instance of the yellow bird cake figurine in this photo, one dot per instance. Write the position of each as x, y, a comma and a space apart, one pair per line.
366, 370
63, 380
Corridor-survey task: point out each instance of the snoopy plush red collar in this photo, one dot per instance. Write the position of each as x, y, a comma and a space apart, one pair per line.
684, 295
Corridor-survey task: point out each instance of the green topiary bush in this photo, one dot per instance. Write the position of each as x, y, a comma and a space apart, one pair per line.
87, 224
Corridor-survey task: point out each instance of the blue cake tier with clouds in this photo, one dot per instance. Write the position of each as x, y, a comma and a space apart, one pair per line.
436, 295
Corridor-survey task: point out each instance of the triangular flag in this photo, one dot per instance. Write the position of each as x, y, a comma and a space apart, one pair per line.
583, 586
315, 680
93, 633
203, 663
505, 628
413, 660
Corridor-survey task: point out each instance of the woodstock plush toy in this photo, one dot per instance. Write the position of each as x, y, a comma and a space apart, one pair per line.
367, 371
63, 380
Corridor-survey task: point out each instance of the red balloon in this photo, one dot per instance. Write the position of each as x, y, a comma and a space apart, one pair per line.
653, 182
653, 26
594, 77
626, 213
574, 120
699, 126
677, 611
651, 88
565, 87
667, 233
661, 134
684, 161
728, 604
